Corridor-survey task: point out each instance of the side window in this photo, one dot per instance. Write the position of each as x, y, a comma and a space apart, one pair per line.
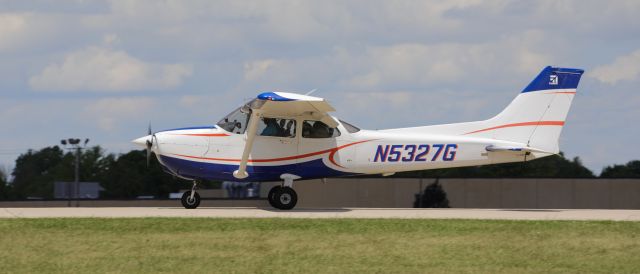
317, 129
277, 127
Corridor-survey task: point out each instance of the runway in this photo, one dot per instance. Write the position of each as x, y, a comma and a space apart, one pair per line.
319, 213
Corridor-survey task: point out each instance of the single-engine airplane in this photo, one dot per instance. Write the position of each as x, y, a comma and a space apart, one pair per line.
286, 137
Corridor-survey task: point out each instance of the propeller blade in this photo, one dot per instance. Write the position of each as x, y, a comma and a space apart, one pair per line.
149, 144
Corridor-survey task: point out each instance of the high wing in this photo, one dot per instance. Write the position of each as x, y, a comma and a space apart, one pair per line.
281, 104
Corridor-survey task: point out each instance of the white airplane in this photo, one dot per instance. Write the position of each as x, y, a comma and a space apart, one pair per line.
286, 137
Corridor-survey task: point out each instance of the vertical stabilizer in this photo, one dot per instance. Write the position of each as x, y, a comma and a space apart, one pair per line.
536, 116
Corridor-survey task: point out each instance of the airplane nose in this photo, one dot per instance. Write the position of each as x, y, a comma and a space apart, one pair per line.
142, 141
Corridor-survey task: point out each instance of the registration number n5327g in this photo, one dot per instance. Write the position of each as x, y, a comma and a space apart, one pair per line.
415, 153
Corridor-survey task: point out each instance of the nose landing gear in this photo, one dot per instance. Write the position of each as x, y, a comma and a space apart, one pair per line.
191, 199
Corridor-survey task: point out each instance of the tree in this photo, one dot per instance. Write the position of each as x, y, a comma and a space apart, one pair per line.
128, 176
123, 176
629, 170
4, 186
433, 196
35, 172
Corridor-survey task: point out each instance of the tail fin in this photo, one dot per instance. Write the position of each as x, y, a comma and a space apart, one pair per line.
536, 116
533, 119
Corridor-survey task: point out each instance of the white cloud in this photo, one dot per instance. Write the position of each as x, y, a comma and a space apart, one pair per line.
255, 70
623, 68
108, 113
450, 62
409, 65
104, 69
11, 27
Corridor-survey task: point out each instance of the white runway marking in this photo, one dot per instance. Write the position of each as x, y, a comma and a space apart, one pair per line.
317, 213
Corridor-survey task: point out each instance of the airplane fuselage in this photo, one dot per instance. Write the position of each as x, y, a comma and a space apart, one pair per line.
212, 153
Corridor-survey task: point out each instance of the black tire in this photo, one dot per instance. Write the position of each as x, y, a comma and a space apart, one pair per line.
271, 197
286, 198
190, 203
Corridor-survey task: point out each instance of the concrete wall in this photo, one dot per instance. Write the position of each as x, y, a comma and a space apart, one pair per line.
135, 203
391, 192
472, 193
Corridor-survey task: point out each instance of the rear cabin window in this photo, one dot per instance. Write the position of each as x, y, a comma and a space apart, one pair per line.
350, 128
317, 129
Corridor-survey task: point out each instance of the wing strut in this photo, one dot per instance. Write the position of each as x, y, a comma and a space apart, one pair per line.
242, 173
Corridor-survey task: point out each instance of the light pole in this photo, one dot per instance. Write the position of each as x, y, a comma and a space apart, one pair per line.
74, 144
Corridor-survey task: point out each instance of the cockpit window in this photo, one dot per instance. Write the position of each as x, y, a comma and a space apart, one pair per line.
317, 129
277, 127
350, 128
235, 122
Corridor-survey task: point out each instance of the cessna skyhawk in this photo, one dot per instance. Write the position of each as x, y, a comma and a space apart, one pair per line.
287, 137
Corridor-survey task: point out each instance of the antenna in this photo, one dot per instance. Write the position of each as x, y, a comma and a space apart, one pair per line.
311, 91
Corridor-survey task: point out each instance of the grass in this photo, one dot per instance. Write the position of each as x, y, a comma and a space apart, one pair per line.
186, 245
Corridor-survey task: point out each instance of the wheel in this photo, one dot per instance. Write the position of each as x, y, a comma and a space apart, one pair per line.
188, 202
286, 198
272, 198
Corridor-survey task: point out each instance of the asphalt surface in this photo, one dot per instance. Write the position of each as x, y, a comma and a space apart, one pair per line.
320, 213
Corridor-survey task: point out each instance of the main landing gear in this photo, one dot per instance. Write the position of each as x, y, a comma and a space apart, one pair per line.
191, 199
284, 197
281, 197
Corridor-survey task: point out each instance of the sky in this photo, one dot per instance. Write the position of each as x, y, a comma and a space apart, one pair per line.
105, 70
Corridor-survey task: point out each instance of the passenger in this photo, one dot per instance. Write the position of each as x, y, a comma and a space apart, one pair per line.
307, 129
272, 128
287, 129
283, 132
320, 130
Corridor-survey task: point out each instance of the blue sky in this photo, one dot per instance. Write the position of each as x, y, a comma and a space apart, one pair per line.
105, 69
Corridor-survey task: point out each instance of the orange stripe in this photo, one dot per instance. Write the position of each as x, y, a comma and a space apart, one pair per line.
523, 124
332, 150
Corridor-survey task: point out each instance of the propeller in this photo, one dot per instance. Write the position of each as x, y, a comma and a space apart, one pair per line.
149, 143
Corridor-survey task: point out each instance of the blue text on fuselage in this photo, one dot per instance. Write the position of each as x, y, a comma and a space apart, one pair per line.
415, 153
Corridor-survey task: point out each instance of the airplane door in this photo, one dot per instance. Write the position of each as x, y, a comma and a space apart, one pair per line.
275, 149
317, 137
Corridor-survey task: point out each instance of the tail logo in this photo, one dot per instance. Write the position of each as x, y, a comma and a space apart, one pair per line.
553, 80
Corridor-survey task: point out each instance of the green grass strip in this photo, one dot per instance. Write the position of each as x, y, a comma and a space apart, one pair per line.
199, 245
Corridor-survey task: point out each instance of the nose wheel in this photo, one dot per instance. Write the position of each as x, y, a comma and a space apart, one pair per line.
191, 198
283, 197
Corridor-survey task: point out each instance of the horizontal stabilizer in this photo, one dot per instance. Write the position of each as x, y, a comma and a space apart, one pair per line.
493, 148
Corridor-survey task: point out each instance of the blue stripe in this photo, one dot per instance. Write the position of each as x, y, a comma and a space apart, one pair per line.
211, 171
555, 78
272, 96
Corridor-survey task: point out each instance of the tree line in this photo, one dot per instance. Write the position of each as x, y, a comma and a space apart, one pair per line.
127, 176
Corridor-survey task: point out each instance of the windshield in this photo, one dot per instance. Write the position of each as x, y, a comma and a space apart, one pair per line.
350, 128
236, 121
